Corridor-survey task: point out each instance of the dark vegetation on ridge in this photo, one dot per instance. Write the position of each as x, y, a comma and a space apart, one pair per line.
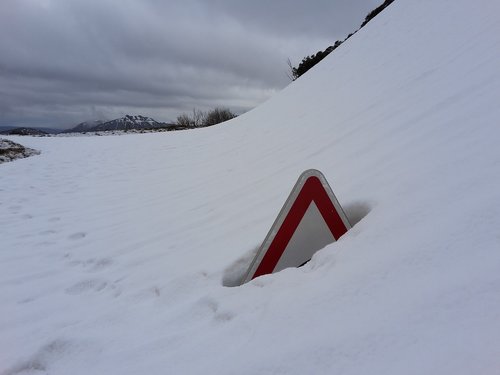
26, 131
200, 119
309, 61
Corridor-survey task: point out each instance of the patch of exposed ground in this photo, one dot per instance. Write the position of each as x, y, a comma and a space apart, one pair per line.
10, 151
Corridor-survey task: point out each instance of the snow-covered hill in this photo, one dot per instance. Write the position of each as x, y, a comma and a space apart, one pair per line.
115, 250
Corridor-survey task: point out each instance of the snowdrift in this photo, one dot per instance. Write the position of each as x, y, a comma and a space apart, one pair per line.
115, 251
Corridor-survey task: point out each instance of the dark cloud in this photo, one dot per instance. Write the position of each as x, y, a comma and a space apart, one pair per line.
65, 61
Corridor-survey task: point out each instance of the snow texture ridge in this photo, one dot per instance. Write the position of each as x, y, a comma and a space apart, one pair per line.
114, 250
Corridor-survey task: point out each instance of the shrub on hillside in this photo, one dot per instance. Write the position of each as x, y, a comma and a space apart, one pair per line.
309, 61
376, 11
201, 119
217, 115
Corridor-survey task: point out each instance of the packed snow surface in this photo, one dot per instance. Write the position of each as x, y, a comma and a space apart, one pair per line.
117, 253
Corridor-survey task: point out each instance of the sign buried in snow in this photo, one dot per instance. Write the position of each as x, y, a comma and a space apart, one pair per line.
310, 219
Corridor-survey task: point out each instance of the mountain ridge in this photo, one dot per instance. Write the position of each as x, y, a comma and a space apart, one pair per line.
127, 122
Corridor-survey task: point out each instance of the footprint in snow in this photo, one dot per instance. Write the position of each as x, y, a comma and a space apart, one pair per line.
93, 285
47, 232
91, 265
40, 361
77, 236
15, 209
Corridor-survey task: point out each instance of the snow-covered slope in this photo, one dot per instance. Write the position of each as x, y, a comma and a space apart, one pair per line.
114, 250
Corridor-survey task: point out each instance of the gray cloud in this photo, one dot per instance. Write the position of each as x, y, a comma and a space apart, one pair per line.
65, 61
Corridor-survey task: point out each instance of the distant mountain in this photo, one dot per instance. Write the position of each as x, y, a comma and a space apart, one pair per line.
24, 131
49, 130
5, 129
84, 126
128, 122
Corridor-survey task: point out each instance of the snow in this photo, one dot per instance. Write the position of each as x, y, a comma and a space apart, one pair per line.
115, 249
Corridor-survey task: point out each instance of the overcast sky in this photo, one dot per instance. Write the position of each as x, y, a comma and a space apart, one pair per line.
68, 61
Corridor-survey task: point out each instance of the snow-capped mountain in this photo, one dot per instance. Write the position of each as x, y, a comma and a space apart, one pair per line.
129, 122
84, 126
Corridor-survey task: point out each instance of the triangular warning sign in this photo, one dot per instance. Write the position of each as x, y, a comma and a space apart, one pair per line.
310, 219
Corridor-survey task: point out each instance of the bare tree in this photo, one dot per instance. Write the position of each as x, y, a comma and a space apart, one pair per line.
198, 117
184, 120
218, 115
291, 72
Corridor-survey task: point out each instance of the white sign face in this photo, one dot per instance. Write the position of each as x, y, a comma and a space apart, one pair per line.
310, 219
311, 235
